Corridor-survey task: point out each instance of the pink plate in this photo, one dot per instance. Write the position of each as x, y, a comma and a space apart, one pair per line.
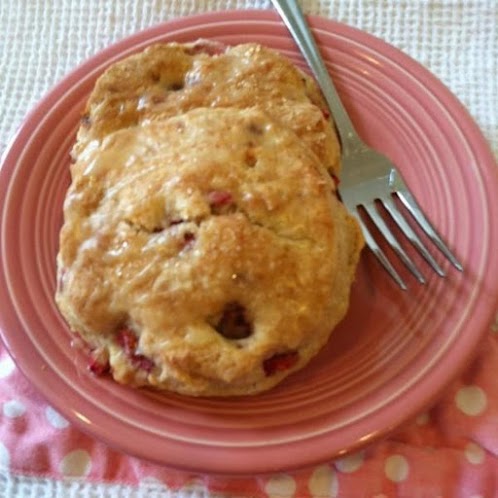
390, 357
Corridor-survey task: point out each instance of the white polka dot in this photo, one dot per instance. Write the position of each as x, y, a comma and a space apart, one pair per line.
323, 482
7, 366
280, 486
76, 464
350, 463
55, 419
396, 468
471, 400
4, 456
422, 419
474, 453
13, 409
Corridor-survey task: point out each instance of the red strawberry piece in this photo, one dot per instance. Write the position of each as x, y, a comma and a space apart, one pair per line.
176, 221
280, 362
326, 113
98, 368
99, 363
127, 340
188, 238
219, 198
142, 362
336, 179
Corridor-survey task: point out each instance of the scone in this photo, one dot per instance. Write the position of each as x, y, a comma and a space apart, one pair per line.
204, 254
166, 80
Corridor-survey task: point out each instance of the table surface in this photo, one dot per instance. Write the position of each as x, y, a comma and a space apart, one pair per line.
457, 40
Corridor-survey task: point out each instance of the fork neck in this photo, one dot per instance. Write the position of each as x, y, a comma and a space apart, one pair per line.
351, 144
348, 136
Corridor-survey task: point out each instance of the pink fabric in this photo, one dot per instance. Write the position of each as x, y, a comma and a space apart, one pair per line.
451, 450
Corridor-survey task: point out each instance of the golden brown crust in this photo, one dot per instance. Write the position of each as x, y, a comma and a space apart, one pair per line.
213, 240
166, 80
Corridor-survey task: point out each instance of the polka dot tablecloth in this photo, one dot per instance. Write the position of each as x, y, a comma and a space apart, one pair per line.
451, 450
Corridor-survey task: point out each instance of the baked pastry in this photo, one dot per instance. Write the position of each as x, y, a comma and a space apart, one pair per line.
166, 80
205, 254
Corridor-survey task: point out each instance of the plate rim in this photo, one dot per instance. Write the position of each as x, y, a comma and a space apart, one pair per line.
206, 18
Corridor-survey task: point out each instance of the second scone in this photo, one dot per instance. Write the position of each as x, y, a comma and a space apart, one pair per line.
169, 79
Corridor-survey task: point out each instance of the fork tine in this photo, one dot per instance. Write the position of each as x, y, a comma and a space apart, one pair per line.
410, 234
386, 232
374, 247
415, 210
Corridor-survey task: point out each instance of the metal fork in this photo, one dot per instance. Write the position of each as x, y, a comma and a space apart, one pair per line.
368, 178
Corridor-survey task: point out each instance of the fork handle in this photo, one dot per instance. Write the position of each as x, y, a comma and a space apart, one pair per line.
294, 19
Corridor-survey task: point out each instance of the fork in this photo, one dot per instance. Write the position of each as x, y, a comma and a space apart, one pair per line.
368, 178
